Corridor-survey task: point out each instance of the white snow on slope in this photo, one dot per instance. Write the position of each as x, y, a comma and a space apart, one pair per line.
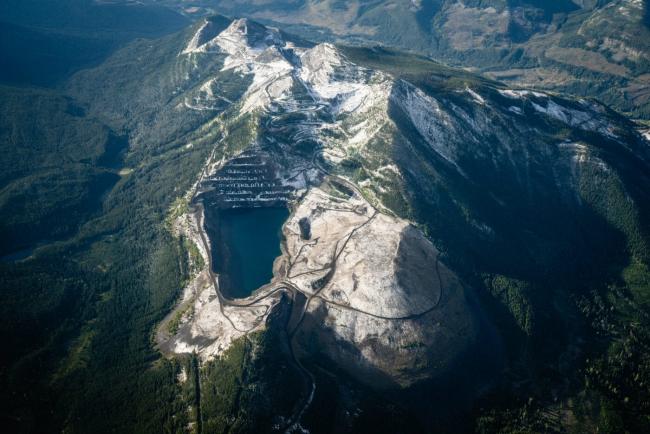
193, 45
518, 94
333, 79
646, 135
581, 155
475, 96
345, 105
575, 118
260, 58
271, 76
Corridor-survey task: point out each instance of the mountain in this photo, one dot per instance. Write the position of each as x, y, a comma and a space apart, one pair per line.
588, 48
461, 255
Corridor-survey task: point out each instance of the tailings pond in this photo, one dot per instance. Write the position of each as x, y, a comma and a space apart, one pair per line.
245, 242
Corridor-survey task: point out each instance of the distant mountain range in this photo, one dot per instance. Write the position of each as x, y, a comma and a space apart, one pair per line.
594, 48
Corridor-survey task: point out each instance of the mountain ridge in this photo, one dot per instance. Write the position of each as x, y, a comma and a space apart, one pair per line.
588, 48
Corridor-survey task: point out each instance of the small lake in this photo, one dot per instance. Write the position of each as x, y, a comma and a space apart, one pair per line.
245, 242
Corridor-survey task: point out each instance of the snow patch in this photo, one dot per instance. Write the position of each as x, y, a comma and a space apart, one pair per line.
646, 135
518, 94
332, 79
575, 118
475, 96
193, 45
581, 154
250, 50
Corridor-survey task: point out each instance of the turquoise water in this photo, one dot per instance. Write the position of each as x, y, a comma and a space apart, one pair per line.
245, 242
